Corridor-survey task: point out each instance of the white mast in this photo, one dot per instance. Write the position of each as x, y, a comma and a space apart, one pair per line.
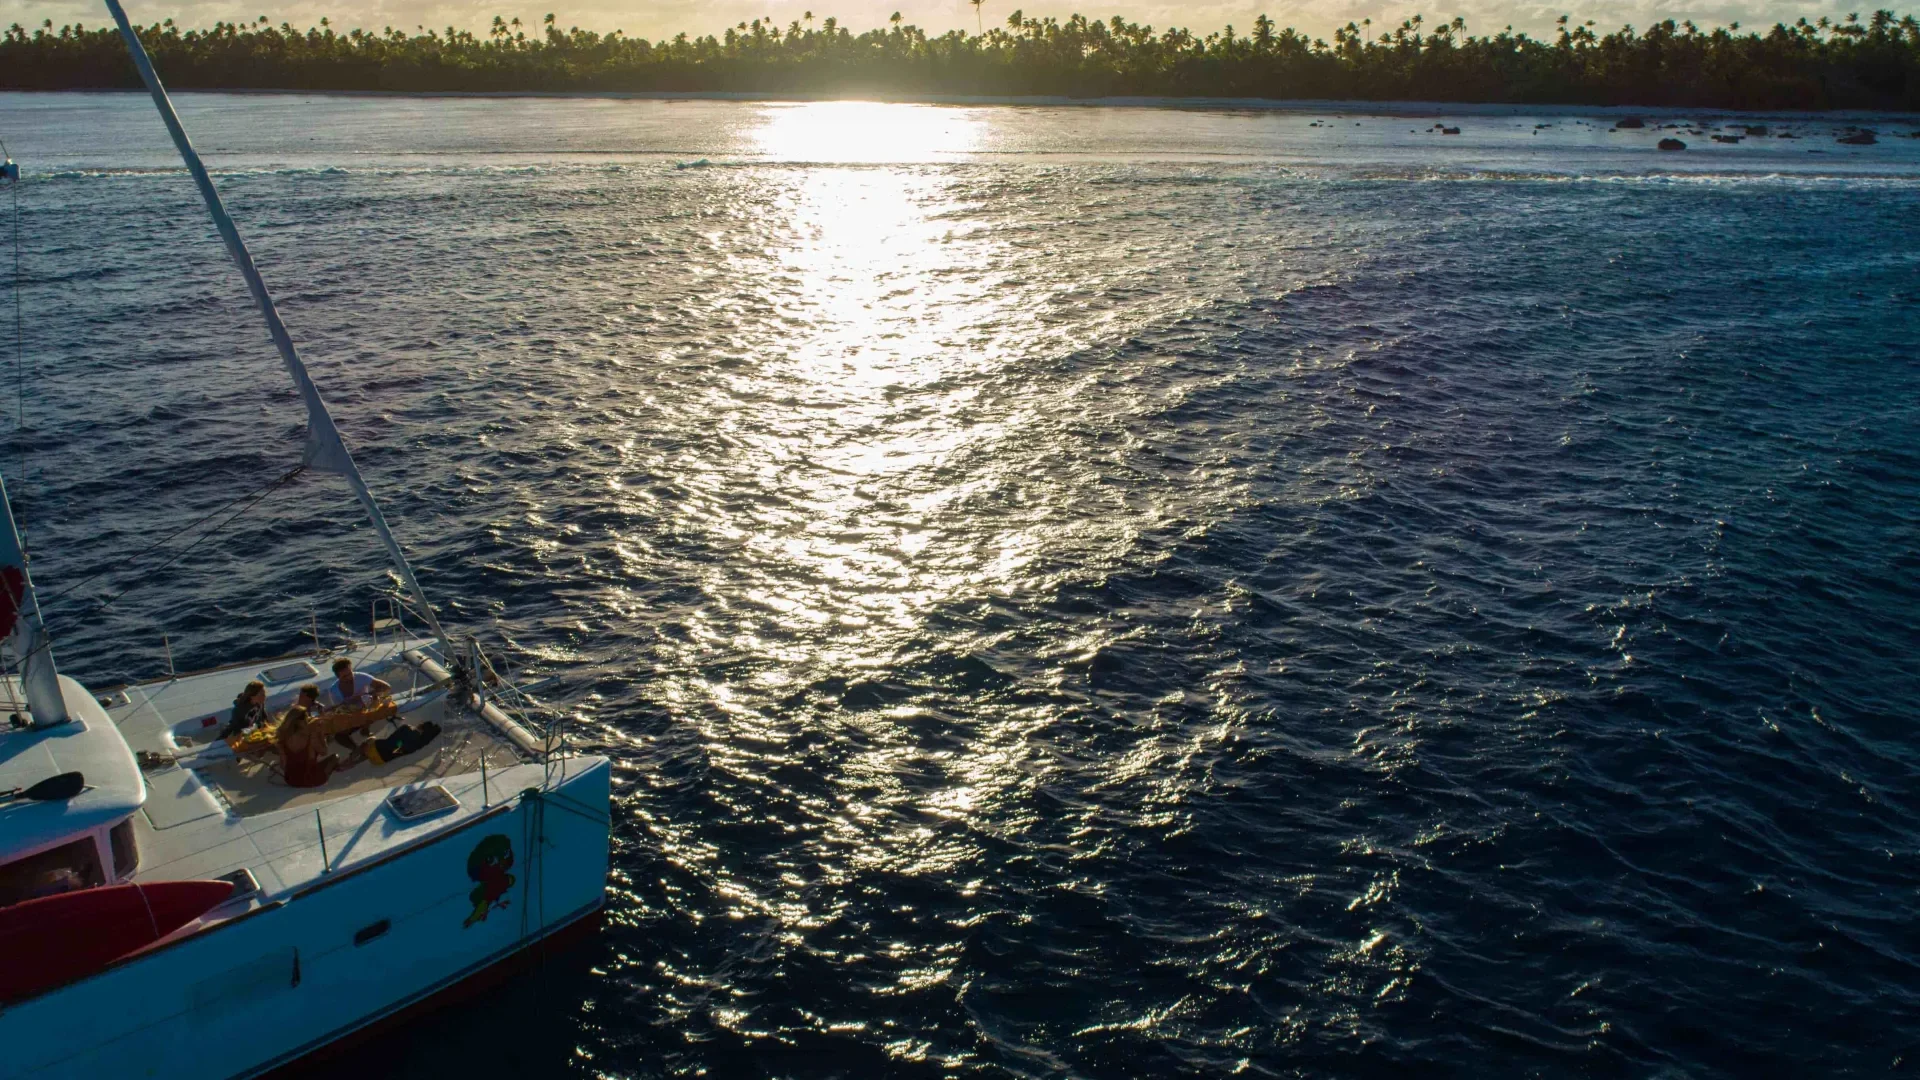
20, 626
324, 451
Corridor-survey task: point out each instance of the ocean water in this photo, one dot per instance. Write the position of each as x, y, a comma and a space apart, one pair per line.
1069, 592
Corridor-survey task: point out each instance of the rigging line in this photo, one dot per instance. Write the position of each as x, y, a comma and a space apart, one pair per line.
19, 335
256, 495
47, 639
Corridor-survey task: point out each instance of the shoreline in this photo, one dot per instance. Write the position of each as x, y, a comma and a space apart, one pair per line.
1300, 106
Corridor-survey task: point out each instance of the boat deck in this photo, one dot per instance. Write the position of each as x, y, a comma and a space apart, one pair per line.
250, 786
207, 813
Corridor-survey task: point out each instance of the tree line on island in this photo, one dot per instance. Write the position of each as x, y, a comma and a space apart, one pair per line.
1853, 63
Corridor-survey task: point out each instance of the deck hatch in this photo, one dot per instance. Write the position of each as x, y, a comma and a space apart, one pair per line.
244, 884
282, 673
416, 803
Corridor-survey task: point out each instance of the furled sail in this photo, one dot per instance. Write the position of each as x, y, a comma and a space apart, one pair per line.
325, 451
20, 627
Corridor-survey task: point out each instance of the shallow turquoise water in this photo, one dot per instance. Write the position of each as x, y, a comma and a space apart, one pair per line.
1071, 592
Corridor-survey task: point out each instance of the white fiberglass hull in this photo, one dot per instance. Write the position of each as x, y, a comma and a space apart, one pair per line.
364, 941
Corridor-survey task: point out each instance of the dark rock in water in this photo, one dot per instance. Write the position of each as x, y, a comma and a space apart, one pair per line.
1672, 144
1449, 131
1753, 129
1858, 138
1786, 135
1728, 138
1630, 122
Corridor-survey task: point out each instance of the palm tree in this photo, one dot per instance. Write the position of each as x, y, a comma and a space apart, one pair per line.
976, 15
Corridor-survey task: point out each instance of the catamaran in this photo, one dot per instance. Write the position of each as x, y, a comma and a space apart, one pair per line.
172, 905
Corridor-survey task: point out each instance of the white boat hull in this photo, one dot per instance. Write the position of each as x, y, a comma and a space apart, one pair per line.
365, 941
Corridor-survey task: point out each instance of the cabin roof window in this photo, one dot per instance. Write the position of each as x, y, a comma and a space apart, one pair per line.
51, 872
126, 853
299, 669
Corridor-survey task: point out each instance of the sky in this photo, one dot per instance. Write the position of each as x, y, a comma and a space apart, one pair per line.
665, 18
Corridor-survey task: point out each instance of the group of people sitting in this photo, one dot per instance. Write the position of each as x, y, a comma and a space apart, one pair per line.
354, 702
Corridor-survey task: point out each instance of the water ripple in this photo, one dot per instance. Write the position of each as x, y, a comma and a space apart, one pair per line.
1060, 606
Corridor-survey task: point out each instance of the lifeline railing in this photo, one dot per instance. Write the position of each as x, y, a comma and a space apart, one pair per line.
478, 682
511, 698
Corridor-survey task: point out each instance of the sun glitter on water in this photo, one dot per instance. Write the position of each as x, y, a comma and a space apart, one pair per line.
858, 391
867, 131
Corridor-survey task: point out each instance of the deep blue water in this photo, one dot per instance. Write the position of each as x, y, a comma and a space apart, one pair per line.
1070, 592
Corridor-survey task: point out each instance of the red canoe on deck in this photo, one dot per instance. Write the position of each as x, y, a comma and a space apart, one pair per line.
56, 939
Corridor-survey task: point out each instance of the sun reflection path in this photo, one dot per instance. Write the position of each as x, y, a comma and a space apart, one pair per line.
903, 416
881, 297
865, 131
862, 445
